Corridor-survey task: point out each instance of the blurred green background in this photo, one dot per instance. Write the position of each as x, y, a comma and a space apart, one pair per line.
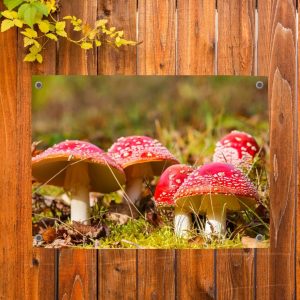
188, 114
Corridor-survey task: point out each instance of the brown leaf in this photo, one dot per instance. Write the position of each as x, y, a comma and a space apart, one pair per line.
49, 235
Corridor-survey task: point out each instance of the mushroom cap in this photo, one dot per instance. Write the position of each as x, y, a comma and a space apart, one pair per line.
50, 166
169, 182
216, 185
141, 156
237, 148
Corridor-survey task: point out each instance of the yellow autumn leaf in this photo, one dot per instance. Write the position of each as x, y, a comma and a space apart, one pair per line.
51, 36
97, 43
6, 24
29, 33
39, 58
44, 26
28, 41
60, 26
30, 57
100, 23
61, 33
9, 14
86, 45
18, 23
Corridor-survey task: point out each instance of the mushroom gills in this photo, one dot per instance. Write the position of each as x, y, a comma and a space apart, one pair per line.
78, 183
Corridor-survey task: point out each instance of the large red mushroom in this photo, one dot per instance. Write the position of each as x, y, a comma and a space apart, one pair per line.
141, 157
79, 167
212, 189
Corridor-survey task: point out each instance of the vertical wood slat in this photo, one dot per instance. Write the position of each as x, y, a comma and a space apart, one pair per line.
77, 274
236, 37
195, 274
77, 268
72, 59
156, 55
195, 278
14, 252
117, 271
122, 15
156, 31
236, 48
195, 37
41, 262
43, 274
277, 57
117, 274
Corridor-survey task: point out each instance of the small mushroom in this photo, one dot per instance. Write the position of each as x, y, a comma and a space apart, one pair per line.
168, 184
237, 148
213, 189
79, 167
141, 157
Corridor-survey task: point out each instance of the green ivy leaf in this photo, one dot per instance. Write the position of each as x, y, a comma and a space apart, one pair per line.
22, 10
6, 24
41, 8
30, 15
11, 4
51, 36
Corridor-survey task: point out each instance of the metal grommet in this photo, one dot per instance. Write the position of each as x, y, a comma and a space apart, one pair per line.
259, 238
38, 237
259, 85
38, 85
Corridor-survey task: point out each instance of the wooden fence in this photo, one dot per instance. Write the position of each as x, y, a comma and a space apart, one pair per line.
205, 37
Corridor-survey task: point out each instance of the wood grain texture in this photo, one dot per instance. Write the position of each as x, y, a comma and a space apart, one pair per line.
236, 34
122, 15
43, 275
156, 274
235, 274
195, 37
15, 256
72, 59
235, 56
298, 175
77, 274
156, 31
282, 84
117, 271
195, 274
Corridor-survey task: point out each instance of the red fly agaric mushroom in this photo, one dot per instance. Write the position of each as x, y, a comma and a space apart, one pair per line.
141, 157
212, 189
78, 167
237, 148
169, 182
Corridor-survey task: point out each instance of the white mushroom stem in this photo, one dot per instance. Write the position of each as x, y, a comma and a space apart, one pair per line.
215, 221
133, 190
182, 222
78, 183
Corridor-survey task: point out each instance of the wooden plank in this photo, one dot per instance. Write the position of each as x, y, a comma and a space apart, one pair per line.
195, 274
236, 33
23, 174
43, 275
156, 55
195, 56
156, 31
117, 274
122, 15
235, 274
77, 274
15, 256
279, 274
196, 37
156, 274
298, 175
236, 47
72, 59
